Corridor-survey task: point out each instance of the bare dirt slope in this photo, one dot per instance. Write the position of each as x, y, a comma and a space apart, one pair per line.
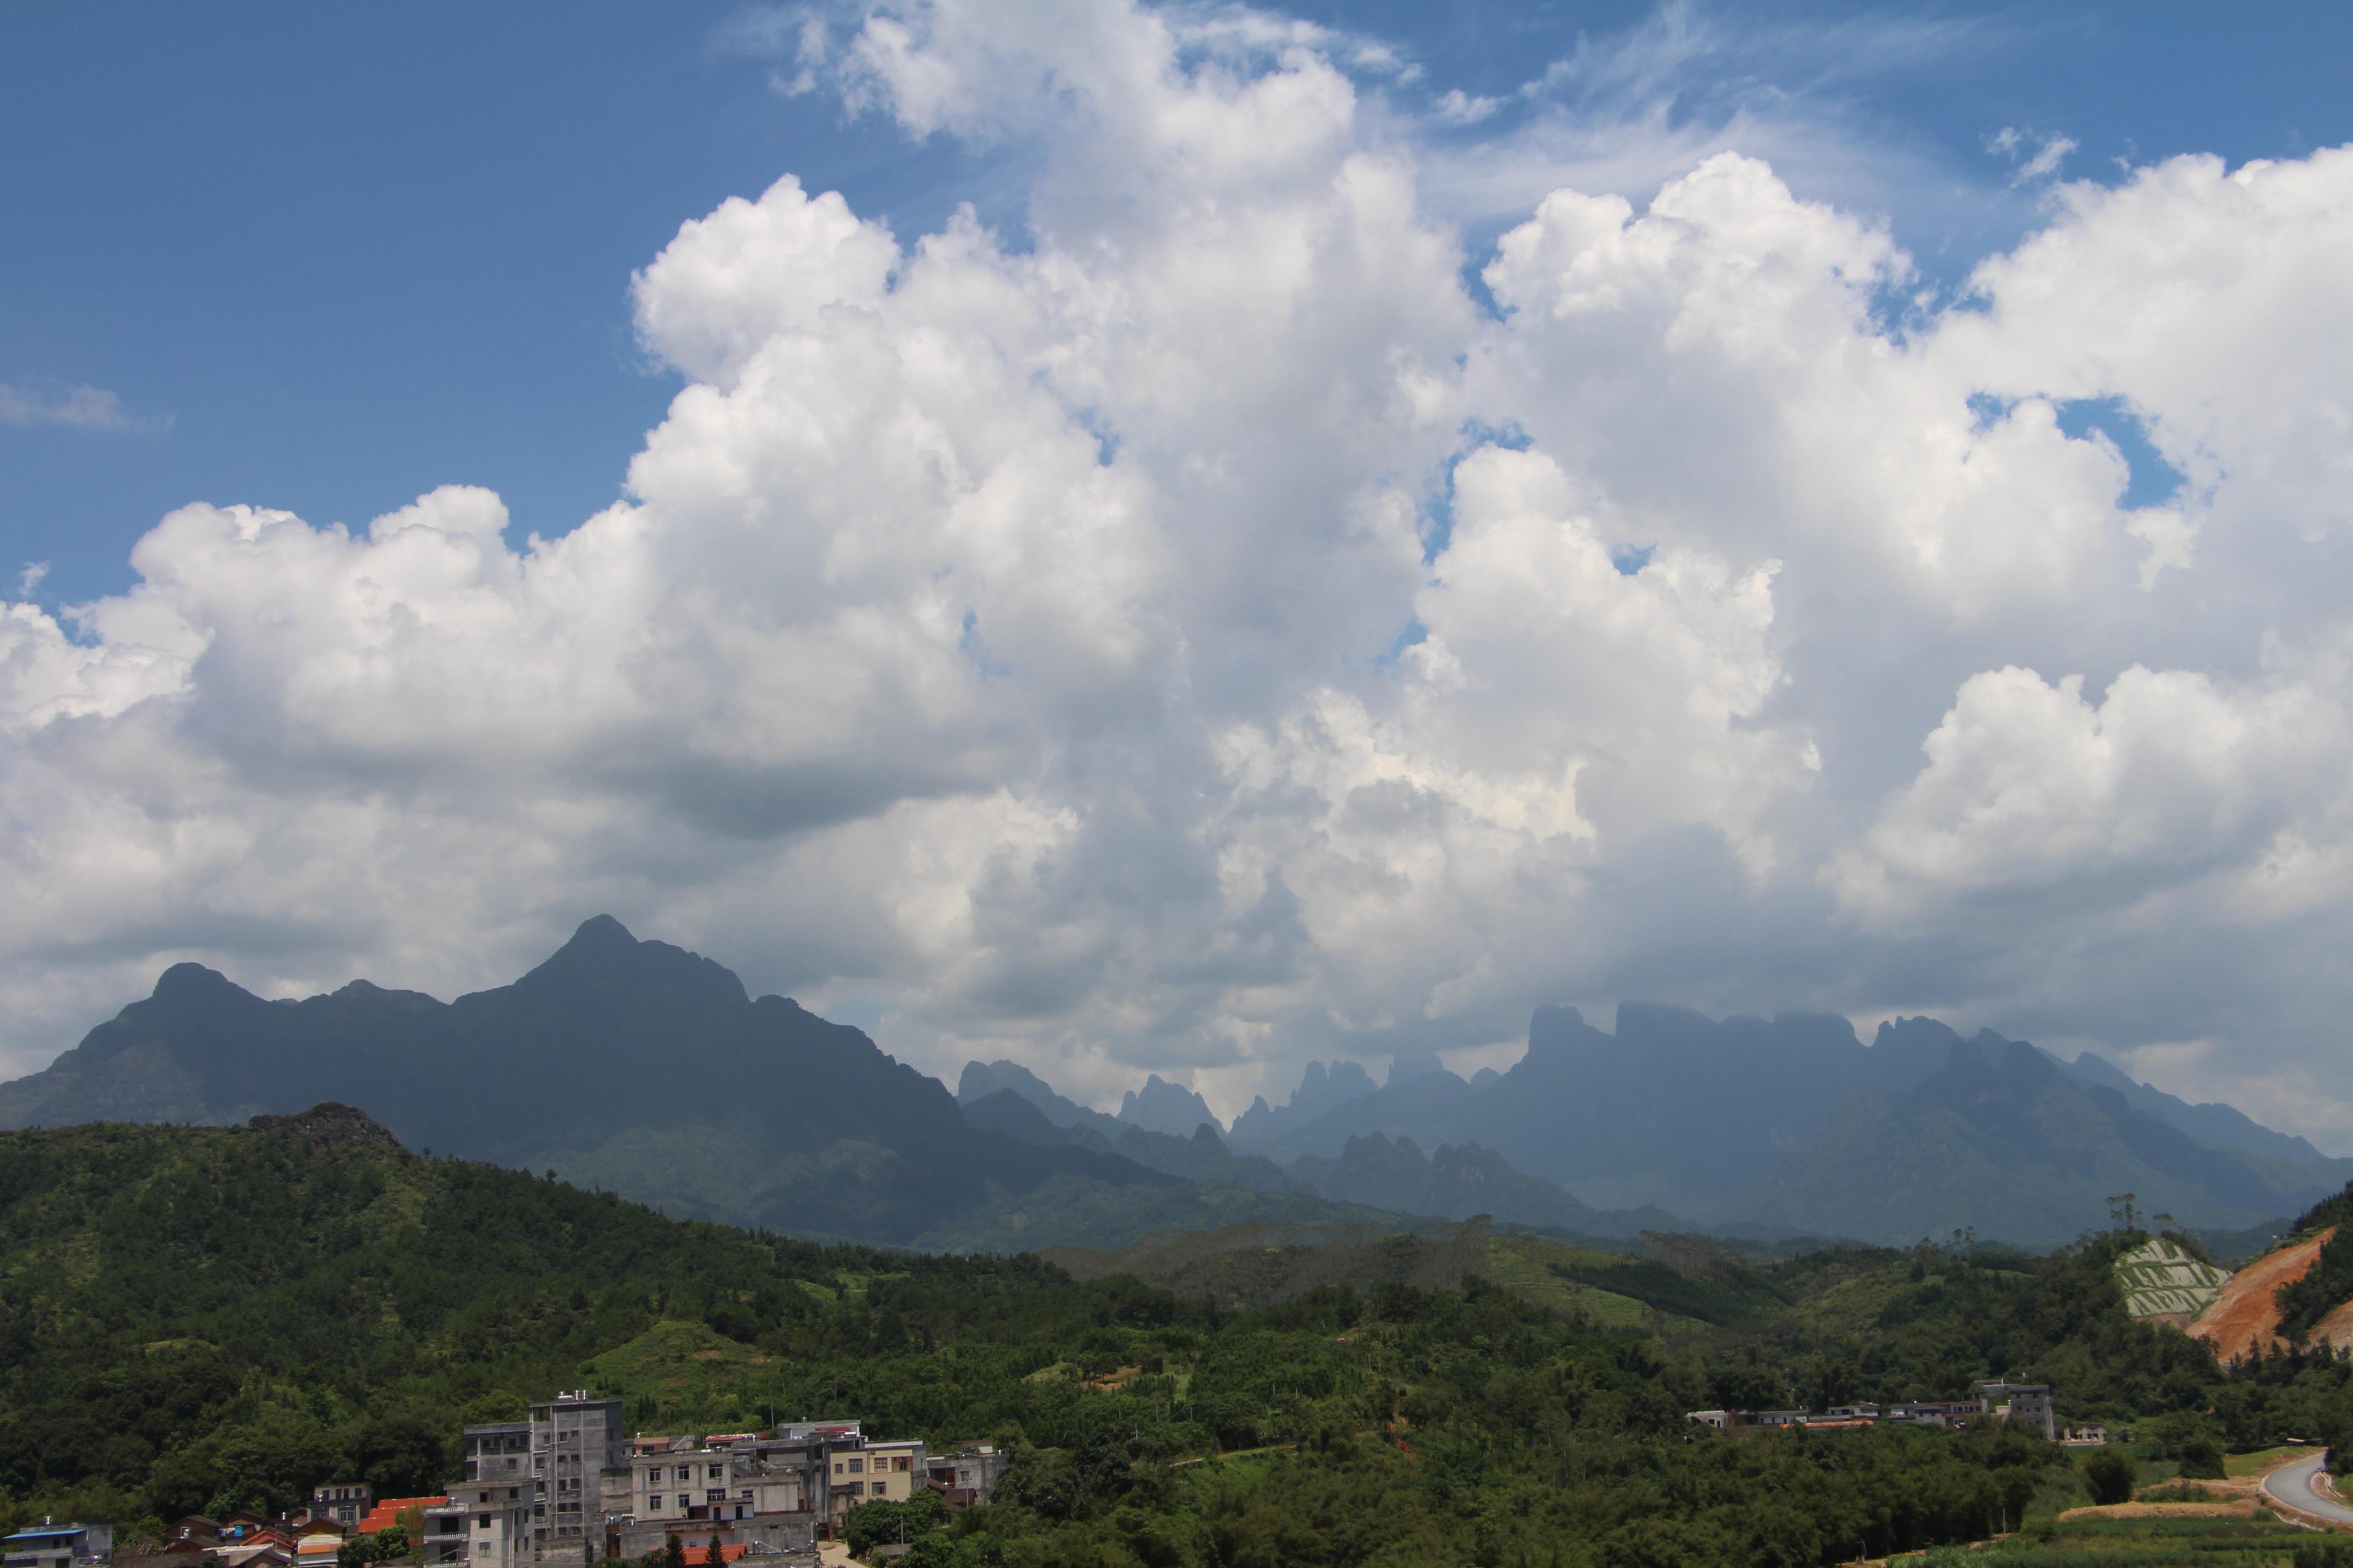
2245, 1316
2336, 1329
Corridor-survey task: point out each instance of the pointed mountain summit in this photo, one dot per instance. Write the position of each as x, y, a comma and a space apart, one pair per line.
1320, 1089
1164, 1106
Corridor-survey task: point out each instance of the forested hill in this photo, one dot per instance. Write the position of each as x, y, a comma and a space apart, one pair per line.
213, 1318
207, 1317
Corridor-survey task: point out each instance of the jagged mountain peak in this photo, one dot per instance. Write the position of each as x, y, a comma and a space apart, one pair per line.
602, 957
1164, 1106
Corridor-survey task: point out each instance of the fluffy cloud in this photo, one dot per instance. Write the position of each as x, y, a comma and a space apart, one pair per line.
1201, 634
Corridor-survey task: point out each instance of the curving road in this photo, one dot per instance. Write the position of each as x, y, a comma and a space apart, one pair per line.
2291, 1484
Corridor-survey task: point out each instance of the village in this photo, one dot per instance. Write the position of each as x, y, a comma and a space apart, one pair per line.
568, 1485
2027, 1404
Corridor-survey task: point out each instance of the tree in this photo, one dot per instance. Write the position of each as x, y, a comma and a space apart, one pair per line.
2202, 1459
673, 1553
360, 1551
2110, 1473
713, 1557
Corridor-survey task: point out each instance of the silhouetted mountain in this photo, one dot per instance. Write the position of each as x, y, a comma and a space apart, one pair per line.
2222, 1127
1431, 1108
1320, 1089
981, 1079
1162, 1107
2006, 1142
1407, 1066
1203, 1157
632, 1065
1753, 1123
1456, 1181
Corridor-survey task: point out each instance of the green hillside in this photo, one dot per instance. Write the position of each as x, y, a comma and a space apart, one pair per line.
213, 1318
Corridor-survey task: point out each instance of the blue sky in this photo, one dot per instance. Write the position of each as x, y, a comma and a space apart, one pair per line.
1397, 514
328, 257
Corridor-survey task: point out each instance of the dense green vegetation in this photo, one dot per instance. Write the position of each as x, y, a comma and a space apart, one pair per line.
2330, 1281
197, 1318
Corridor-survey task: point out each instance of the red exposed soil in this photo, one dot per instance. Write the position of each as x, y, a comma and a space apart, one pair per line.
2336, 1329
2244, 1316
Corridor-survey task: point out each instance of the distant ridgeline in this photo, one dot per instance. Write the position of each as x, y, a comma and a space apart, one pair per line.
1752, 1128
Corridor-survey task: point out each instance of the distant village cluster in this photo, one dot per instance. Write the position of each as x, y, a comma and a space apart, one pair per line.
2025, 1405
569, 1486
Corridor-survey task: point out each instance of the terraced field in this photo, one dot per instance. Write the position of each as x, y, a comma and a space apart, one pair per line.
2162, 1281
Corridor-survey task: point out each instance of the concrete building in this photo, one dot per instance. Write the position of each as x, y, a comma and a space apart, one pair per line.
2027, 1404
494, 1500
575, 1441
343, 1502
497, 1528
50, 1544
496, 1454
765, 1494
876, 1472
445, 1534
967, 1474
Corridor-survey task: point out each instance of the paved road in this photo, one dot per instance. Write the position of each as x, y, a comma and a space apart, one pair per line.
2291, 1484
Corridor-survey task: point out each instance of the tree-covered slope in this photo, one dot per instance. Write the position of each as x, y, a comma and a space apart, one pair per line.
220, 1318
206, 1318
200, 1316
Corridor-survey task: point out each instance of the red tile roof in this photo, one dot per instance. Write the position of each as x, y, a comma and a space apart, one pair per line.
389, 1511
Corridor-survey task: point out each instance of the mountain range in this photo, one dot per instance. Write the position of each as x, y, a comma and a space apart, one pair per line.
648, 1070
630, 1065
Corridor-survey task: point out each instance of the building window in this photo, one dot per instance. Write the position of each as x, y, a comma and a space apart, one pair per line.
717, 1471
857, 1466
653, 1504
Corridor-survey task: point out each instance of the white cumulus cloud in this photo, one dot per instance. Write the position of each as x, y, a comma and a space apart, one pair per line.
1200, 633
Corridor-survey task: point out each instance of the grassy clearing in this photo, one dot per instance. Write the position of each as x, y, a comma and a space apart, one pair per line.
1533, 1270
675, 1367
2128, 1543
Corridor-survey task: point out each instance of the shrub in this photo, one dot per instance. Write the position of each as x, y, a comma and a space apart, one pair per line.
2202, 1459
2110, 1474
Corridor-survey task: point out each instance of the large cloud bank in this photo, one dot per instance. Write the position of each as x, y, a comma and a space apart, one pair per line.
1209, 632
